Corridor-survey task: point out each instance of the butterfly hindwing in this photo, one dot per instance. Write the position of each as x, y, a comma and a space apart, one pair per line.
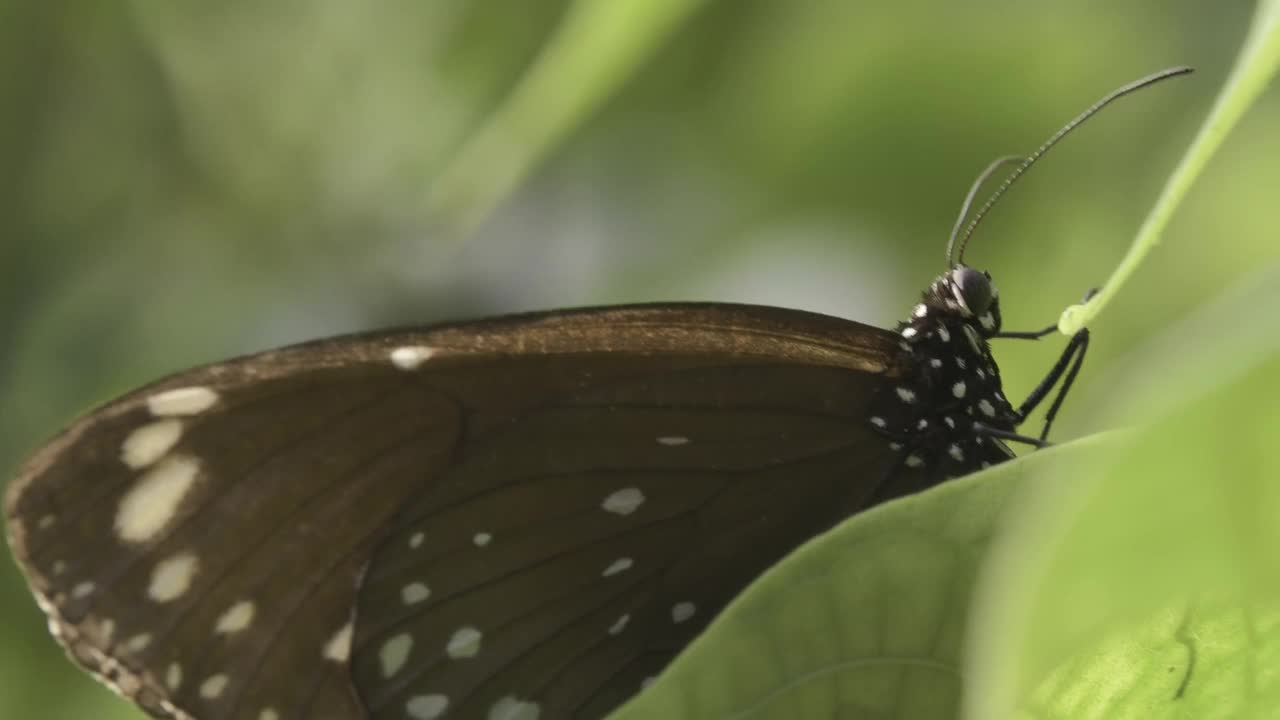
572, 549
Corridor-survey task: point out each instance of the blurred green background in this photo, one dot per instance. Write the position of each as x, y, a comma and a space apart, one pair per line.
184, 183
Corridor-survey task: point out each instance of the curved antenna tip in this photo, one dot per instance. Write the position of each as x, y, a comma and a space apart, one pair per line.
1031, 159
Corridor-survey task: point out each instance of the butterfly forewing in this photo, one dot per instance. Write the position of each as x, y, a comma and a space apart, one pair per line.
529, 515
193, 567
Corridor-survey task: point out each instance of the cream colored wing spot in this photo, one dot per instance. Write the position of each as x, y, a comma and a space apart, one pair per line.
411, 357
394, 653
513, 708
236, 618
149, 443
172, 577
465, 643
182, 401
624, 501
152, 503
338, 648
426, 707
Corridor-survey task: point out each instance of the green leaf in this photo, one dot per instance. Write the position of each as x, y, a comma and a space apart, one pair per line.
1143, 582
864, 621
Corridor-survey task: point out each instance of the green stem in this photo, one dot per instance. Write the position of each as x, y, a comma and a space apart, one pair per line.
1257, 63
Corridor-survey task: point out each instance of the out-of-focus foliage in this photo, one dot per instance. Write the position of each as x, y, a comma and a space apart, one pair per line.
183, 183
1139, 581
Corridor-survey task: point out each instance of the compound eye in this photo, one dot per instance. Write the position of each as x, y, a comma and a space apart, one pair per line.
972, 289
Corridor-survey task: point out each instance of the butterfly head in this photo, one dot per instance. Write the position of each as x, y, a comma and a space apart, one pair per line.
970, 294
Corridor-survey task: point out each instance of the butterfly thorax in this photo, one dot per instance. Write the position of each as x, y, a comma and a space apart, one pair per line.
933, 417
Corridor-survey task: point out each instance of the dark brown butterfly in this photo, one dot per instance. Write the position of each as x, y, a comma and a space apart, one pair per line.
517, 518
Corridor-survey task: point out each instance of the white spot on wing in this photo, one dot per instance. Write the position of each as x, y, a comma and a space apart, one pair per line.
914, 461
172, 577
394, 653
46, 522
182, 401
268, 714
935, 362
465, 643
236, 618
415, 540
410, 357
414, 593
986, 407
151, 504
624, 501
906, 395
622, 564
106, 629
426, 707
987, 320
920, 310
908, 332
138, 643
213, 686
338, 648
943, 334
83, 590
956, 452
513, 708
958, 389
149, 443
877, 421
173, 676
619, 624
482, 539
673, 440
682, 611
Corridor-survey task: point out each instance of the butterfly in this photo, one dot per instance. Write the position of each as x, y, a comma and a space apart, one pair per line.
515, 518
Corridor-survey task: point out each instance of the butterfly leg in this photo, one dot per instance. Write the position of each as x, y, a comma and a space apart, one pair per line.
1027, 335
1009, 435
1070, 361
1078, 346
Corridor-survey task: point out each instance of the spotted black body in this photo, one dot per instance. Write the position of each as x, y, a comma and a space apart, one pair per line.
938, 416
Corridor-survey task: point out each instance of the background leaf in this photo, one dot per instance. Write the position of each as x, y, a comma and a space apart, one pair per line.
595, 49
1142, 583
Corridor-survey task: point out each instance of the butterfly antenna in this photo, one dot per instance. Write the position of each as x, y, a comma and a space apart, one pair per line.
1033, 157
973, 192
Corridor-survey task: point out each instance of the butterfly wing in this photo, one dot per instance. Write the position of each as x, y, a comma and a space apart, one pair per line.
526, 516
